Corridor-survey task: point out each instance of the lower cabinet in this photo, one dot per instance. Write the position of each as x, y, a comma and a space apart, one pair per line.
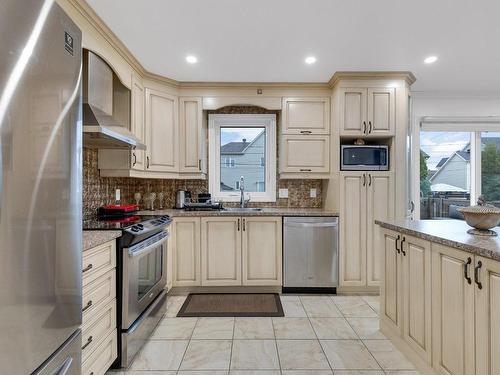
99, 340
443, 303
227, 251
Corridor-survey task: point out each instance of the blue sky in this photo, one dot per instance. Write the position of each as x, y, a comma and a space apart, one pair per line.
237, 134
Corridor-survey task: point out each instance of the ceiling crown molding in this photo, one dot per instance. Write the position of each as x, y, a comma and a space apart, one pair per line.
407, 76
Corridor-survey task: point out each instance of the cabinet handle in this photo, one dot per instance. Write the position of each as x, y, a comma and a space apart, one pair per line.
147, 162
306, 170
89, 341
396, 244
476, 274
364, 179
87, 306
244, 225
199, 164
238, 225
402, 247
370, 179
364, 127
466, 270
88, 268
305, 132
135, 159
370, 129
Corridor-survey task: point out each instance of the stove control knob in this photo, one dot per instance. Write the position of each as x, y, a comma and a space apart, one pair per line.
140, 226
135, 228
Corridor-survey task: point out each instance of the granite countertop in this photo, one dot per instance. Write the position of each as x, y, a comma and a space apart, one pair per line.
452, 233
93, 238
264, 212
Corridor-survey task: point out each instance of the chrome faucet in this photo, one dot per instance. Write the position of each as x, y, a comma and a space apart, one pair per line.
243, 201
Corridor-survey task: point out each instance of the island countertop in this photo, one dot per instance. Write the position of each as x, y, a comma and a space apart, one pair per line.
94, 238
264, 212
452, 233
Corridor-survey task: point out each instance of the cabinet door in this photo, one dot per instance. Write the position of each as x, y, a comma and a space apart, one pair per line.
381, 111
138, 156
306, 116
417, 295
487, 317
379, 206
353, 111
305, 154
186, 251
391, 294
192, 136
220, 251
452, 312
161, 132
353, 229
262, 250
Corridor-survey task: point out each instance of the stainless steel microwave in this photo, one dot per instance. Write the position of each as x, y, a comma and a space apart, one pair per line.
364, 158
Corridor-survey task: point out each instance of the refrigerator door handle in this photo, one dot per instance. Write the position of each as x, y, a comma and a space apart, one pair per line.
65, 366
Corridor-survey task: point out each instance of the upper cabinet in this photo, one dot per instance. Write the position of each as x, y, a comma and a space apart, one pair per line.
138, 156
306, 116
161, 132
367, 111
305, 154
192, 135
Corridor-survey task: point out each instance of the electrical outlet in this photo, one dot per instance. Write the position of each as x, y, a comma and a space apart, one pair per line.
312, 193
283, 193
117, 195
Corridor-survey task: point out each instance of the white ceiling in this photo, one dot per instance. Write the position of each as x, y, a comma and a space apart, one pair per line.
268, 40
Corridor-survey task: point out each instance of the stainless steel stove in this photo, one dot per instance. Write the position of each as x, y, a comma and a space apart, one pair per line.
141, 277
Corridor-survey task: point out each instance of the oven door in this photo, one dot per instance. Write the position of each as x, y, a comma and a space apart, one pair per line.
144, 276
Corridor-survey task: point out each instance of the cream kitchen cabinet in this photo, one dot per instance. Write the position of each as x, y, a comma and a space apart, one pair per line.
161, 132
367, 111
391, 307
452, 312
220, 251
137, 125
192, 135
227, 251
306, 116
186, 244
305, 154
365, 197
261, 250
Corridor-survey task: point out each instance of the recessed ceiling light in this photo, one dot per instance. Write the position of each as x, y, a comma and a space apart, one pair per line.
430, 59
310, 60
191, 59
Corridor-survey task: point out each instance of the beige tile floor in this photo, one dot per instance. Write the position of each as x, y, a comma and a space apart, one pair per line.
319, 335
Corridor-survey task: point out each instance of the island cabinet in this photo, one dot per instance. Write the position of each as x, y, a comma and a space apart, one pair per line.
99, 340
440, 305
227, 251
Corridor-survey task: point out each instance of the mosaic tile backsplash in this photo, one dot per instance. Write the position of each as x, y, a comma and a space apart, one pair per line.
98, 191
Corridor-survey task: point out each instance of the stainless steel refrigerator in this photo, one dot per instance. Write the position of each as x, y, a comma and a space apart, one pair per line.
40, 189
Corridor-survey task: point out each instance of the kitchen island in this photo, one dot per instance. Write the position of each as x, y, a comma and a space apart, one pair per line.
440, 295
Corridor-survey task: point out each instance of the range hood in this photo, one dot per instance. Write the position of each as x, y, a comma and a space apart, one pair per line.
106, 107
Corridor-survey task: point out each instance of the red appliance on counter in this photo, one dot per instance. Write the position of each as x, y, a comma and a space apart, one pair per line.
117, 210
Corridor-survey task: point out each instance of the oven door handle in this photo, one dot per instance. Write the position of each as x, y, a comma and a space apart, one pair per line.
149, 248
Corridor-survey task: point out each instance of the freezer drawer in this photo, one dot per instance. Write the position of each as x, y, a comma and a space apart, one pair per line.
67, 360
310, 252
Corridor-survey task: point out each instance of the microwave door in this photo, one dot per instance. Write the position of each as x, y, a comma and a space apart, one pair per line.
364, 158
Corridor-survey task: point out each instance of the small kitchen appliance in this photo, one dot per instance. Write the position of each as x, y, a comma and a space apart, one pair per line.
364, 158
182, 197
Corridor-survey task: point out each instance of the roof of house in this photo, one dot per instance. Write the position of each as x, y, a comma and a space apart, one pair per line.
464, 155
238, 147
441, 162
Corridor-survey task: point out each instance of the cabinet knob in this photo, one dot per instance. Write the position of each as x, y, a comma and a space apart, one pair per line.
370, 127
305, 132
135, 159
306, 170
147, 162
396, 244
466, 270
88, 268
402, 247
476, 274
364, 127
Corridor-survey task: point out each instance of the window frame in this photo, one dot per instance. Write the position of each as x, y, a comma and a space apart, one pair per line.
473, 125
218, 121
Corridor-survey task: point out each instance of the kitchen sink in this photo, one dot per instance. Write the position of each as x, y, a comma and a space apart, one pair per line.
246, 209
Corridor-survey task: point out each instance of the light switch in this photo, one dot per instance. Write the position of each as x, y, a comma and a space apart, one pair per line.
312, 193
283, 193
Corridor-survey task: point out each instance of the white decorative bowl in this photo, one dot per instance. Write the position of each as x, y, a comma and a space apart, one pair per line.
482, 218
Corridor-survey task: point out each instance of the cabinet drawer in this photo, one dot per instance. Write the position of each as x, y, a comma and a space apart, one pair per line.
305, 154
102, 357
98, 327
97, 294
98, 260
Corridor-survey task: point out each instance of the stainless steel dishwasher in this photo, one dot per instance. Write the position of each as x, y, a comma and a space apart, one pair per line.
311, 253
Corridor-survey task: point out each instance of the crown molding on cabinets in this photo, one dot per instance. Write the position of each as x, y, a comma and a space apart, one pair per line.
407, 76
